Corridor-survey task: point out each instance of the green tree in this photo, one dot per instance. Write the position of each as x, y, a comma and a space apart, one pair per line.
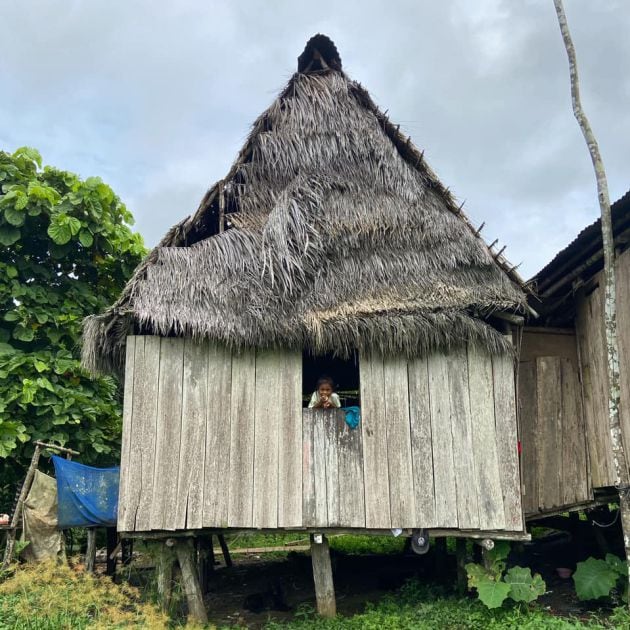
66, 251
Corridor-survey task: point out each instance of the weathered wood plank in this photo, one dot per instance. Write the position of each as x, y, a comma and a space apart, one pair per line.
590, 331
189, 508
320, 486
351, 487
126, 512
400, 467
528, 419
266, 432
374, 435
217, 481
443, 462
290, 452
550, 460
507, 447
242, 405
622, 268
168, 439
308, 468
331, 428
421, 440
463, 451
574, 485
143, 432
484, 440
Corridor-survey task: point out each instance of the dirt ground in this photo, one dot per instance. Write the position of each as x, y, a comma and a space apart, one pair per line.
255, 589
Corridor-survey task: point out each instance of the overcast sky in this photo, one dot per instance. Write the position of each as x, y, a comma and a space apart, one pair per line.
157, 97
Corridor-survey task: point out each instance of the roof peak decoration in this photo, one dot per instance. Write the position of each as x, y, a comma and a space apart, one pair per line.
320, 54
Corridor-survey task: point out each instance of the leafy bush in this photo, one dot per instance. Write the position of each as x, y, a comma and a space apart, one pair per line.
596, 578
66, 251
494, 585
50, 597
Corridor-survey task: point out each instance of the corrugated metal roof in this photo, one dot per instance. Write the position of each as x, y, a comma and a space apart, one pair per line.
585, 244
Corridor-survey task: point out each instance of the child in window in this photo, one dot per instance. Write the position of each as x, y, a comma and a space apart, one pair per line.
324, 396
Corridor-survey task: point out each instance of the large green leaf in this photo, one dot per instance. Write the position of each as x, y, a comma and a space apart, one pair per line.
60, 233
617, 564
15, 216
85, 238
524, 587
9, 235
594, 578
493, 593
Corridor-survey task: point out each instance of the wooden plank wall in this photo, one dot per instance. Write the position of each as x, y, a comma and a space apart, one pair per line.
464, 459
592, 345
214, 438
555, 465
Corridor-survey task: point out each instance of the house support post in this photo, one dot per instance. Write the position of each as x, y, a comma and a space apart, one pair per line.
112, 550
322, 576
90, 551
205, 561
186, 557
462, 578
225, 550
165, 565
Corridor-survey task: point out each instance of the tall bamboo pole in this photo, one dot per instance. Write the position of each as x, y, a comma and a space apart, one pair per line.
610, 296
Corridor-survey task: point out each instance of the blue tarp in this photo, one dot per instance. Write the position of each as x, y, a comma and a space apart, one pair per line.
87, 497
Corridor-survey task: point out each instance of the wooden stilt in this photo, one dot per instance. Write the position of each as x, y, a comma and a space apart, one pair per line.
165, 563
205, 561
322, 576
185, 556
225, 550
90, 551
112, 550
462, 578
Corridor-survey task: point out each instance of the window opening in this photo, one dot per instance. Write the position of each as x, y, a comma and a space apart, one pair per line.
343, 372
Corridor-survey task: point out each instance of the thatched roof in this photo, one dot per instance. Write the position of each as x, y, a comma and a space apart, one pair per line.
330, 232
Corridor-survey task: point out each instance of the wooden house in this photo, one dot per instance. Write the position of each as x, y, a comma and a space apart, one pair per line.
562, 383
329, 242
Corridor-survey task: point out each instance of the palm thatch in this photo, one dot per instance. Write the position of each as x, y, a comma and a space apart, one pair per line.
330, 232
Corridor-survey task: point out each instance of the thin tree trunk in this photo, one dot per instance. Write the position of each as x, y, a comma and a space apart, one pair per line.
610, 300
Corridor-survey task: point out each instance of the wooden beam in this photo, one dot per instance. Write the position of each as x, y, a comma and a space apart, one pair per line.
164, 568
90, 551
225, 550
54, 447
462, 578
322, 576
185, 556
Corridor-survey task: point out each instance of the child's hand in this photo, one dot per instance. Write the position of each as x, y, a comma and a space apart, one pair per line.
327, 404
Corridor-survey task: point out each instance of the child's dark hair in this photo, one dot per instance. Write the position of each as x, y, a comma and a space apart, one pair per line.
325, 379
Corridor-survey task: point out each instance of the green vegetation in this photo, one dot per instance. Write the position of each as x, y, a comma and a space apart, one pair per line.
494, 584
53, 597
343, 543
418, 607
595, 578
66, 251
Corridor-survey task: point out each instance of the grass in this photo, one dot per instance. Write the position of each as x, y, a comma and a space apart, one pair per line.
419, 607
344, 543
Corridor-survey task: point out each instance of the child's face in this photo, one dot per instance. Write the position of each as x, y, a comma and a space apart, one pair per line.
325, 390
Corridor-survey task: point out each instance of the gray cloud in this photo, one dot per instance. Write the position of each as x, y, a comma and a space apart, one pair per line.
157, 98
